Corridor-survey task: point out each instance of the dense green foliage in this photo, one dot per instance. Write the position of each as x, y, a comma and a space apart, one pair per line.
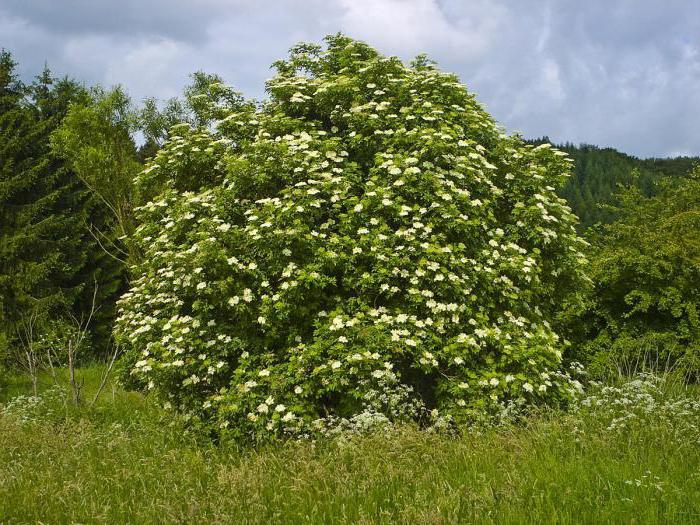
367, 244
643, 307
49, 262
631, 457
95, 139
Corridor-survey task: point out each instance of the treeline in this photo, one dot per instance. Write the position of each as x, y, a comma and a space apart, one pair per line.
68, 166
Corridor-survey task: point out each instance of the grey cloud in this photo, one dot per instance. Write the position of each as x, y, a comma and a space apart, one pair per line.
178, 19
624, 74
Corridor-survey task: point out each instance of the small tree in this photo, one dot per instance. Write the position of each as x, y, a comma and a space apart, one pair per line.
95, 139
365, 244
27, 355
46, 345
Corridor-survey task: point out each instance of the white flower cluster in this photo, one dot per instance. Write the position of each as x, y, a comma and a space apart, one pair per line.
45, 406
343, 244
643, 401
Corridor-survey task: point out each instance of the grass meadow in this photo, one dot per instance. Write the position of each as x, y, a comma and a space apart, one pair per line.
125, 460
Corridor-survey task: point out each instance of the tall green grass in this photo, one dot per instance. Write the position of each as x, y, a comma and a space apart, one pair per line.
126, 461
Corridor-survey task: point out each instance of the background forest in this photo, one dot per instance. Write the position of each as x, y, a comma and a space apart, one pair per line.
71, 153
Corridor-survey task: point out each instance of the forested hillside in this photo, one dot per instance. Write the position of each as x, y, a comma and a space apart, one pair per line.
598, 173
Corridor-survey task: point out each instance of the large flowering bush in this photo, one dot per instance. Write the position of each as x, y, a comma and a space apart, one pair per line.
366, 245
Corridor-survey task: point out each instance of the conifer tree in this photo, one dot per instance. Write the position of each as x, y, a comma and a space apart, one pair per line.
49, 261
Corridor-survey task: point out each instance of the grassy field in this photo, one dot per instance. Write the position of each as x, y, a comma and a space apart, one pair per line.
126, 461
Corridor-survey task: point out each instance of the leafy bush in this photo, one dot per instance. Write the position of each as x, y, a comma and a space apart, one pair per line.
645, 269
367, 241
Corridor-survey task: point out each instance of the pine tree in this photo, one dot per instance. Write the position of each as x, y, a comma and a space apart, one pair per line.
49, 260
27, 263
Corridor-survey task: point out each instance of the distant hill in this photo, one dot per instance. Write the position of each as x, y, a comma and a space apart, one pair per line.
599, 171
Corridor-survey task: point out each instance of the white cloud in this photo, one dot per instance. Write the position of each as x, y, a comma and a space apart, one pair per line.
409, 27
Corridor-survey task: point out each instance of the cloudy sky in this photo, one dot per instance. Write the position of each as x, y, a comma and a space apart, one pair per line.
621, 73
